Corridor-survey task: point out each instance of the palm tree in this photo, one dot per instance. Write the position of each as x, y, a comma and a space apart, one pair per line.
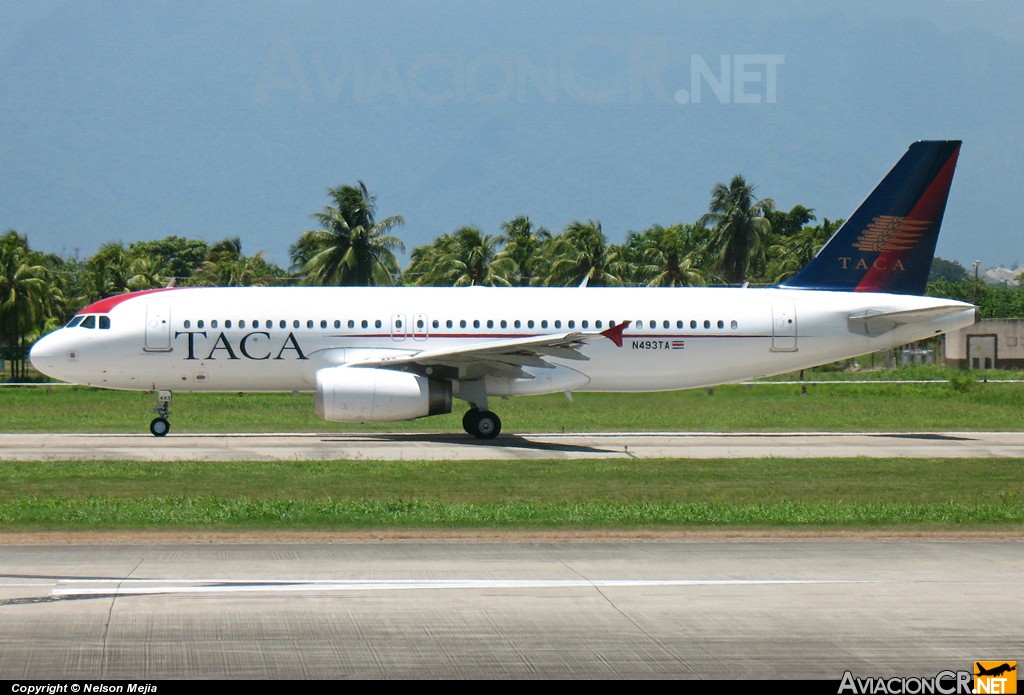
667, 256
741, 229
792, 253
581, 253
113, 269
466, 257
351, 247
522, 246
227, 266
27, 298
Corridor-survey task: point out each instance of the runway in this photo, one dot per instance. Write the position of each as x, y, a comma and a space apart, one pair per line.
456, 447
775, 609
511, 609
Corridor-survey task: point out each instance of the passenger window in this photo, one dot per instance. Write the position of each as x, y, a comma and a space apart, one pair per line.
665, 324
529, 324
188, 324
598, 323
558, 323
419, 323
337, 323
90, 322
214, 324
200, 324
585, 324
323, 323
544, 323
462, 323
504, 323
517, 323
448, 323
572, 324
707, 324
104, 322
227, 324
490, 323
365, 324
693, 324
476, 323
435, 323
282, 324
351, 323
733, 324
679, 324
721, 324
241, 324
377, 324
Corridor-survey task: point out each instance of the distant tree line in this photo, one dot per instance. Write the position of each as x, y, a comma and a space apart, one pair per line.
740, 239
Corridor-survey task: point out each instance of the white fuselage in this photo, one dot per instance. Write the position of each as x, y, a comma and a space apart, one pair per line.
276, 339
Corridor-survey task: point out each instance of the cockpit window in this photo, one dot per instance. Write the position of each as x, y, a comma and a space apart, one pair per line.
104, 322
74, 322
89, 322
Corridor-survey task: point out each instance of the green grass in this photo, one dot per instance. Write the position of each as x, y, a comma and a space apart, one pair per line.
824, 407
594, 495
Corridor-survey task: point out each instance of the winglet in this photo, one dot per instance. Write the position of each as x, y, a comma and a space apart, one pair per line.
614, 333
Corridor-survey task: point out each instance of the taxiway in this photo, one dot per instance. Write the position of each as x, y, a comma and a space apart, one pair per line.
456, 447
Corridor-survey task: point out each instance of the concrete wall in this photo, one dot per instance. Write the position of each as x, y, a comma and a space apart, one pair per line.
988, 344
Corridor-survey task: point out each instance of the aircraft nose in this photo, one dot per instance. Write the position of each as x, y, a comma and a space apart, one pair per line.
41, 352
47, 352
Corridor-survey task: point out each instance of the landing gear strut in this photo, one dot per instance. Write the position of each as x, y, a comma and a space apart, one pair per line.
482, 424
160, 425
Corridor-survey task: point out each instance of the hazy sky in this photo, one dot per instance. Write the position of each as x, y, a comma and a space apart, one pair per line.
136, 120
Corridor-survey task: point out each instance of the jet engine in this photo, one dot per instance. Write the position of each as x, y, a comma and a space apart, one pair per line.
354, 394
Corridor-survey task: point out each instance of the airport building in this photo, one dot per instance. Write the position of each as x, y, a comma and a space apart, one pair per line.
988, 344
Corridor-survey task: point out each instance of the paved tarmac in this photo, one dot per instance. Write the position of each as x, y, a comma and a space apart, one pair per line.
454, 447
770, 608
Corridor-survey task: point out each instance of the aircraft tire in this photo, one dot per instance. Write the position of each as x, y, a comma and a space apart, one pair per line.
469, 421
487, 426
159, 427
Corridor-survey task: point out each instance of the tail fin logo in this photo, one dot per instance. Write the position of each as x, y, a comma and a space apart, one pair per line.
891, 233
888, 243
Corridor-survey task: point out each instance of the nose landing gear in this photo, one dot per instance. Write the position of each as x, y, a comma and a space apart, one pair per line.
160, 425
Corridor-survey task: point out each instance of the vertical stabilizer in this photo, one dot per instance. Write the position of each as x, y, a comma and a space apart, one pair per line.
888, 243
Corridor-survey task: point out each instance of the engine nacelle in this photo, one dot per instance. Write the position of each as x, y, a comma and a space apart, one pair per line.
353, 394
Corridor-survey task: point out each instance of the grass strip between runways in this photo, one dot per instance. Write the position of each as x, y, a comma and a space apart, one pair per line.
213, 513
930, 494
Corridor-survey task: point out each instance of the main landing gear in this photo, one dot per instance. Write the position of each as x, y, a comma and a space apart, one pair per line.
160, 425
478, 420
482, 424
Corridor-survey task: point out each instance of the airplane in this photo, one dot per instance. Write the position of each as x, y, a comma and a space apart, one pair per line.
398, 353
995, 671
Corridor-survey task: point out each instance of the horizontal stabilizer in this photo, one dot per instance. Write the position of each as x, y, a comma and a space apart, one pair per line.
876, 322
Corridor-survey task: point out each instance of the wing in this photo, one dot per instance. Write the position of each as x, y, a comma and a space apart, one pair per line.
498, 357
